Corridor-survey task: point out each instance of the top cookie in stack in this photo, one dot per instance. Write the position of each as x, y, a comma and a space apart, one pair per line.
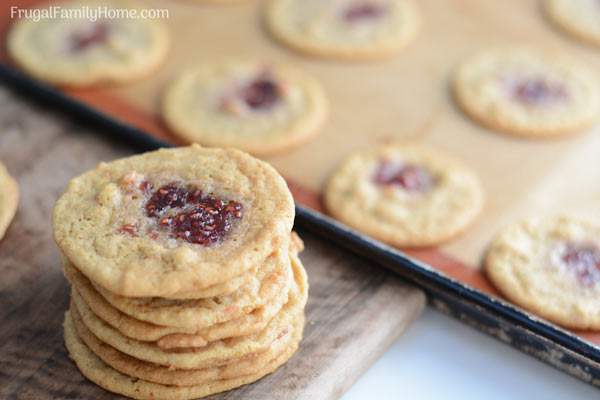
184, 272
174, 222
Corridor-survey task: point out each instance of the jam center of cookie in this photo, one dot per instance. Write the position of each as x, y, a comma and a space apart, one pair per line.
538, 91
410, 177
261, 94
365, 11
584, 260
187, 214
91, 35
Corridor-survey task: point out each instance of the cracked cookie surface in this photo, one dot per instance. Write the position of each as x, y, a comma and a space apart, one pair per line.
113, 229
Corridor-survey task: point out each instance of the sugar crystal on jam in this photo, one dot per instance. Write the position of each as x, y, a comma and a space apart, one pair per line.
188, 214
167, 196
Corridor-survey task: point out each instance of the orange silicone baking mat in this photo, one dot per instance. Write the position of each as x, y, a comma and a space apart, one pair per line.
404, 98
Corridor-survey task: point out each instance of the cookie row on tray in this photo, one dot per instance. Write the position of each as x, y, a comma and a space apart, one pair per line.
402, 194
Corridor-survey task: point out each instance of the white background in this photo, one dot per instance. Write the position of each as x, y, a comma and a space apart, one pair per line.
440, 358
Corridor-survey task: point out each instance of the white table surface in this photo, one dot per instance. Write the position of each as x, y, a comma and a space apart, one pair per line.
440, 358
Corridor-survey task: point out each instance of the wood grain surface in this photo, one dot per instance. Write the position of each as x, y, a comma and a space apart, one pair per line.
355, 310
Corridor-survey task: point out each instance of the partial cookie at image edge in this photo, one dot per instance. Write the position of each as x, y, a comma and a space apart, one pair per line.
9, 199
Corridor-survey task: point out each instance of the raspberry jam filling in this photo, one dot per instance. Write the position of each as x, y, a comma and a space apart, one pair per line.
362, 11
410, 177
583, 259
538, 91
186, 213
261, 94
90, 36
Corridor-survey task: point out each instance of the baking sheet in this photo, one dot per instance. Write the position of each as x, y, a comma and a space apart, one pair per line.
408, 100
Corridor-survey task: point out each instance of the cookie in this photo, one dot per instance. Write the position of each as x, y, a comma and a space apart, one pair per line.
168, 337
551, 267
257, 107
83, 52
213, 355
344, 29
219, 289
249, 324
9, 199
103, 375
173, 221
527, 92
216, 353
82, 291
286, 344
271, 279
578, 18
404, 195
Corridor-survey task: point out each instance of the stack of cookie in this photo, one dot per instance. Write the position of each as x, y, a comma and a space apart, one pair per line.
185, 274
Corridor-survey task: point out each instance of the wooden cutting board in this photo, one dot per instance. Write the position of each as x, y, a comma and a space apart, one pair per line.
355, 310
